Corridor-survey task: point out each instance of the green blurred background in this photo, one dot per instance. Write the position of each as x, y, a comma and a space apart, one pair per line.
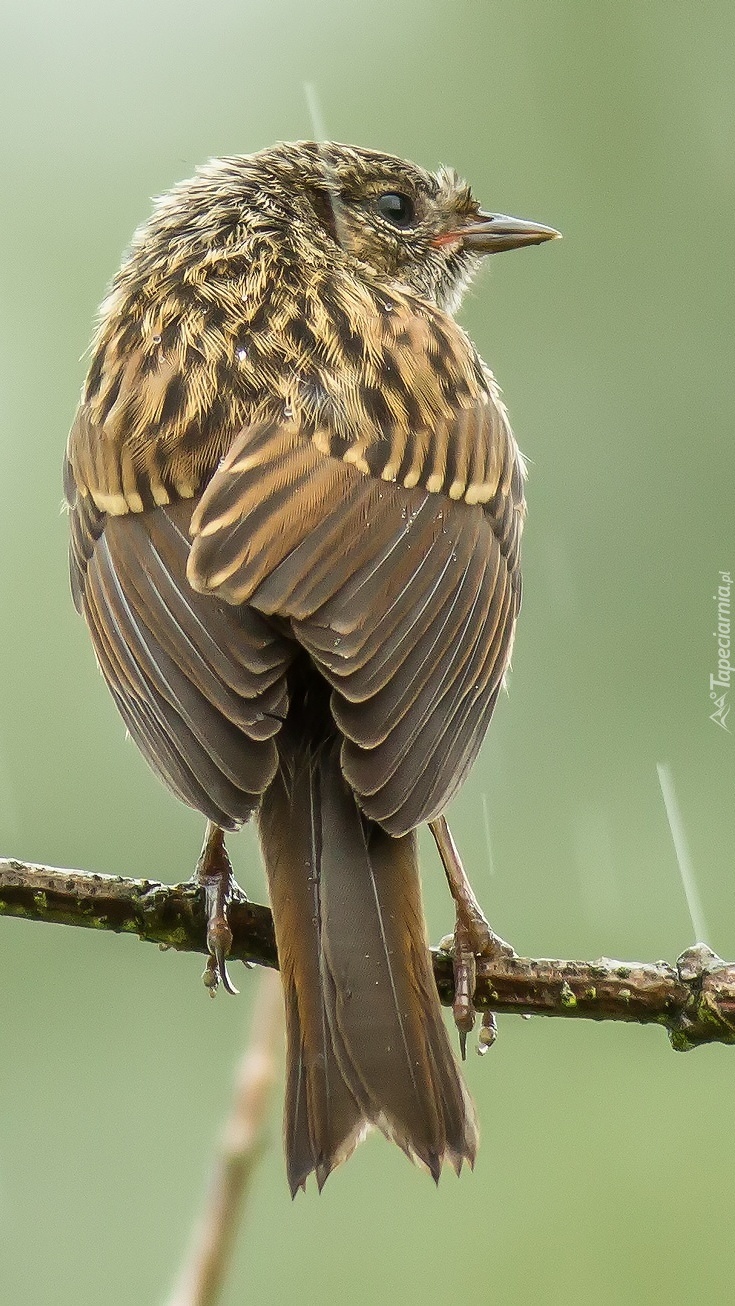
607, 1168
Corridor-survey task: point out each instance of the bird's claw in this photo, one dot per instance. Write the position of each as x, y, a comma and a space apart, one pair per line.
215, 973
473, 941
219, 942
465, 979
214, 874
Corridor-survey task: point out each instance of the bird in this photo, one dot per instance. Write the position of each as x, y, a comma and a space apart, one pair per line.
296, 507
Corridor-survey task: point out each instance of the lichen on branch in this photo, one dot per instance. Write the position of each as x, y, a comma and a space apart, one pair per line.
694, 999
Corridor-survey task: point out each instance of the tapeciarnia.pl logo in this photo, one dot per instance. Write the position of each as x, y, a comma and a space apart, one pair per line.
719, 685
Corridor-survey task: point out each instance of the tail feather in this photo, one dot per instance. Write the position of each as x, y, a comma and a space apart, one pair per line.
366, 1043
323, 1122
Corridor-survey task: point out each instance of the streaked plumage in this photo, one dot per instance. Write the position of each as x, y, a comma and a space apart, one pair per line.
296, 508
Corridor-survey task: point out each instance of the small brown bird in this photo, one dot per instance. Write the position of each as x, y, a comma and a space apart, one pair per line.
296, 508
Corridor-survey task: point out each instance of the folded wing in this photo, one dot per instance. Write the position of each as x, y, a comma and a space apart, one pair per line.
395, 561
200, 685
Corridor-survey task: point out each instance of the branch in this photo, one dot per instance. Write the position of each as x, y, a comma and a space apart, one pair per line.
694, 999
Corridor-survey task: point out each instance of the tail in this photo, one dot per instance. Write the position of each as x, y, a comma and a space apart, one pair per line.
366, 1043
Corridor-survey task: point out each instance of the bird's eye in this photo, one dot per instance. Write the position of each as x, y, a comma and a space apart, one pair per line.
397, 209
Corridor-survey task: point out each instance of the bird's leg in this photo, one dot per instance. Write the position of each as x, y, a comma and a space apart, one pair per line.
214, 874
482, 939
473, 938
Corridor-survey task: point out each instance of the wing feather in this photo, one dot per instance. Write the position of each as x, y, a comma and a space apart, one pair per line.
201, 685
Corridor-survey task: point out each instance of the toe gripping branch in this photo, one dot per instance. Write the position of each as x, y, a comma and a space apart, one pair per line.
473, 940
214, 874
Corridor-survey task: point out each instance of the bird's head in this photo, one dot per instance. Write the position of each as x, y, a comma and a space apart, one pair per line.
329, 201
424, 229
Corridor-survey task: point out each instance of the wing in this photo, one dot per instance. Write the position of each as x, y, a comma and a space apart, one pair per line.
393, 555
200, 684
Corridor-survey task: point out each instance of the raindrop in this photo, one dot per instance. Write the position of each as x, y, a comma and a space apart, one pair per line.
242, 355
156, 340
288, 409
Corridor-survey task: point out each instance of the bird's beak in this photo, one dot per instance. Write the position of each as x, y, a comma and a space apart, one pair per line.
491, 233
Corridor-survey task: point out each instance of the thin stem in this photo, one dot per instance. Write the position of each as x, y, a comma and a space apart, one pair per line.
209, 1255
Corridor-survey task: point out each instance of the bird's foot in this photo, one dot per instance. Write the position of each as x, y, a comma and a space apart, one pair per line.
473, 940
214, 874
